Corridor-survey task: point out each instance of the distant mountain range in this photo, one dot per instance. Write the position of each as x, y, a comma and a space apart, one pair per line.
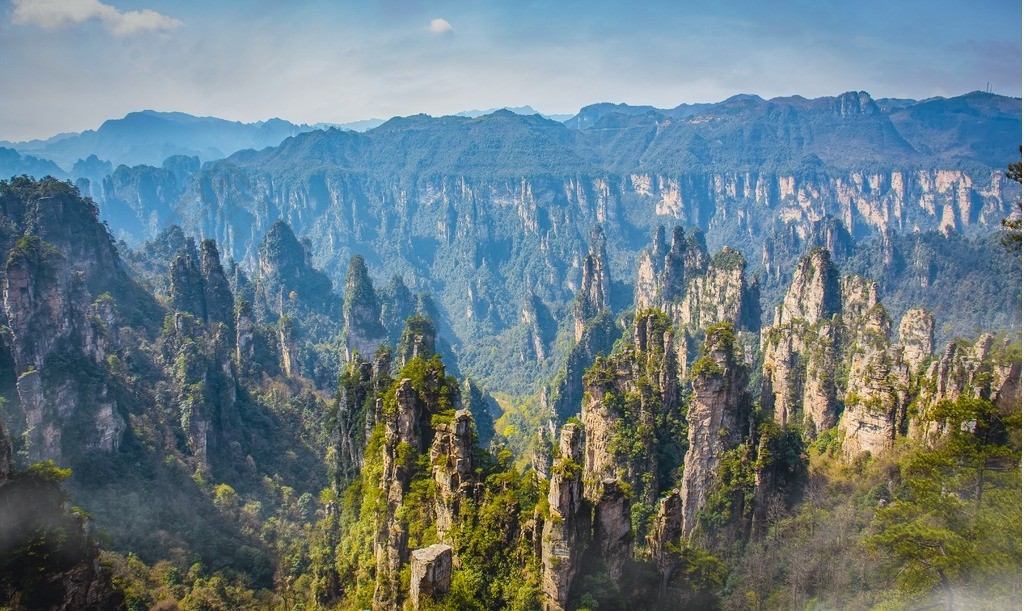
149, 137
977, 126
519, 110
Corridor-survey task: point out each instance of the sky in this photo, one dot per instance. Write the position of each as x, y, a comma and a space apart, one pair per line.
68, 65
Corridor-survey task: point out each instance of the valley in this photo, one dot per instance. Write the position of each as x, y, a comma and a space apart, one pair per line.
752, 354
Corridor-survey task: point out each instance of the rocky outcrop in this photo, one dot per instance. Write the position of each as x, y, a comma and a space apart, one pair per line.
205, 385
219, 302
814, 294
986, 369
483, 408
876, 400
629, 400
363, 330
406, 413
418, 340
401, 428
430, 573
285, 280
381, 382
59, 280
718, 417
186, 284
665, 536
593, 327
827, 325
245, 346
594, 294
917, 335
355, 395
541, 458
566, 525
540, 327
696, 290
397, 304
830, 353
613, 527
287, 340
565, 395
451, 460
802, 350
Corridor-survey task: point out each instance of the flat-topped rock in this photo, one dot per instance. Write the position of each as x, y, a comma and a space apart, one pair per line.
431, 572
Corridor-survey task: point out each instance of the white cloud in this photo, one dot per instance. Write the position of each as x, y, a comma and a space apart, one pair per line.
52, 14
441, 26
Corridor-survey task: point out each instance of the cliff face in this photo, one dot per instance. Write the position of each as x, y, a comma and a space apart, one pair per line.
451, 457
917, 335
613, 527
401, 434
876, 400
362, 313
103, 377
814, 294
594, 293
219, 301
430, 573
831, 359
823, 325
803, 347
564, 533
198, 285
718, 416
285, 279
356, 413
593, 327
60, 272
205, 385
406, 415
665, 536
631, 413
987, 369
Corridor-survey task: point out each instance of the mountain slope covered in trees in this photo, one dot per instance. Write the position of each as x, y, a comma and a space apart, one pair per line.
249, 435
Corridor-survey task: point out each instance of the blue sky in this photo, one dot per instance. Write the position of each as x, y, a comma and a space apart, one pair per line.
67, 65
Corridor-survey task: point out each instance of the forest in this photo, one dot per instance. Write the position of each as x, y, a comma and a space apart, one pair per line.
184, 431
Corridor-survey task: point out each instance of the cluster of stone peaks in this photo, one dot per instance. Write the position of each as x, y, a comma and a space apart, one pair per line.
833, 358
646, 419
662, 412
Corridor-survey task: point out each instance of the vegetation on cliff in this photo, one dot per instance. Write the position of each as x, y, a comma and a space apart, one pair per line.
246, 437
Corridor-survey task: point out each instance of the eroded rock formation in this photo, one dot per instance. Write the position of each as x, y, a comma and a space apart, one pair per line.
430, 573
451, 459
565, 528
613, 528
718, 415
630, 405
695, 289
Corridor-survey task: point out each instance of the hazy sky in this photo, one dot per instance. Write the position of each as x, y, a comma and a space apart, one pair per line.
67, 65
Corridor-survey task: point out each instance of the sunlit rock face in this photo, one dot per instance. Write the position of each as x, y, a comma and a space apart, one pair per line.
718, 418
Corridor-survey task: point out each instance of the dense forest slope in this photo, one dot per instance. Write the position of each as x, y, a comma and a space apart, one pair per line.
245, 436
